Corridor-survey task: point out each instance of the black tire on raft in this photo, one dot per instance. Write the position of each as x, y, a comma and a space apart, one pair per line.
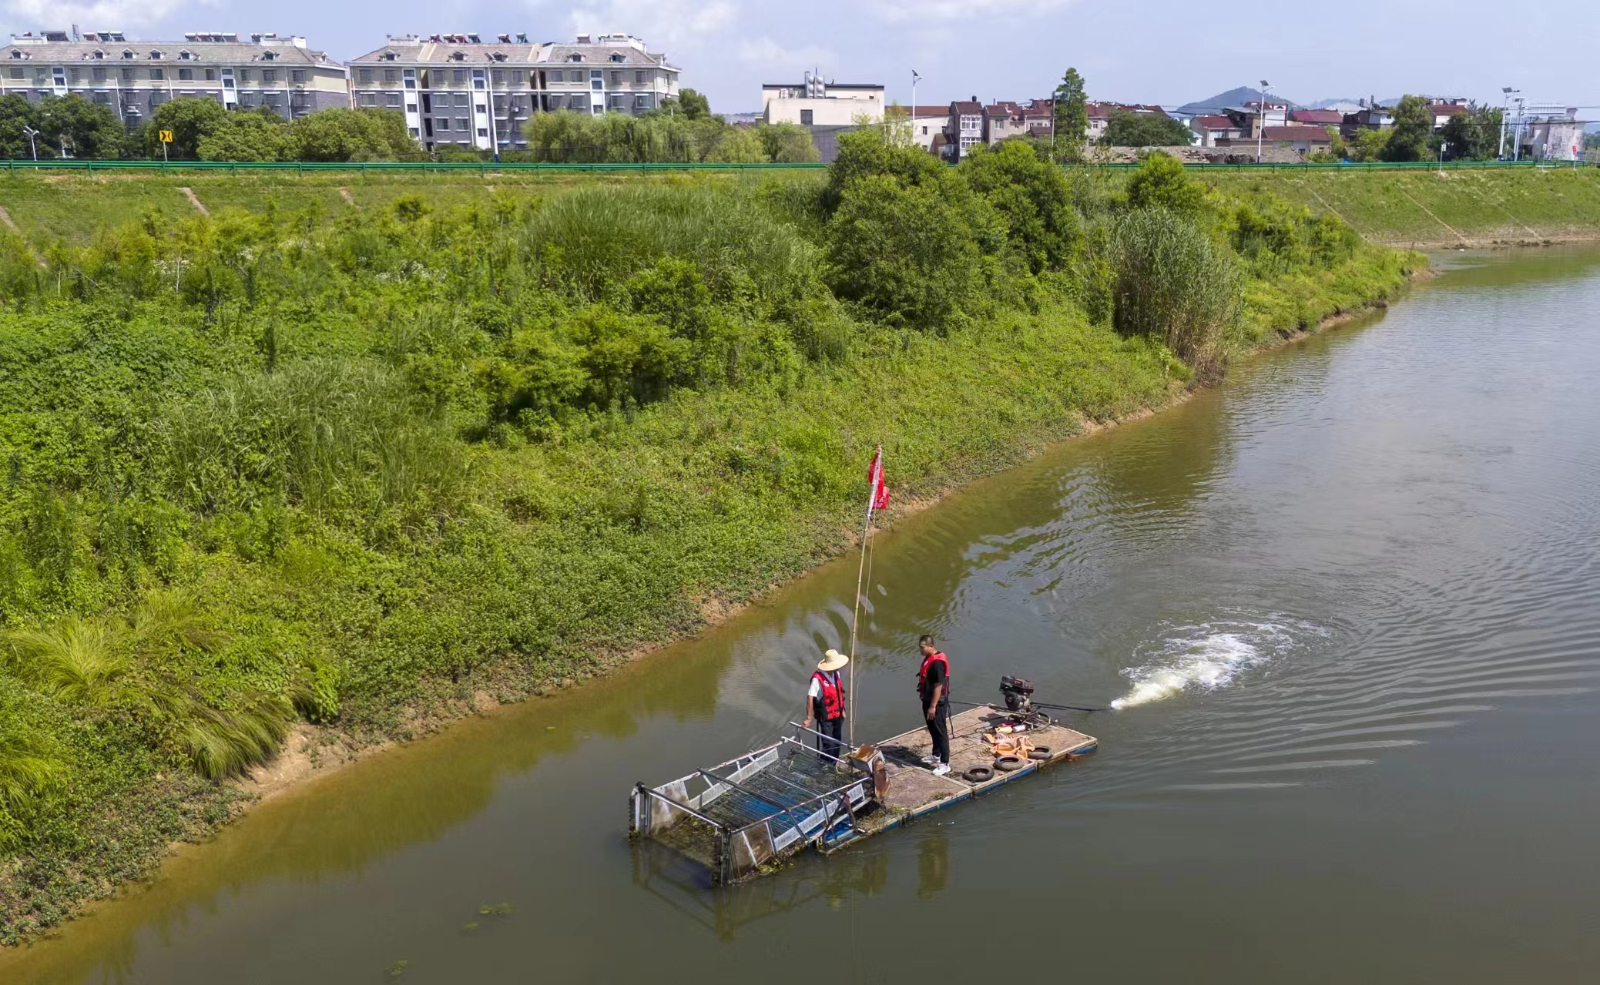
1040, 753
979, 774
1007, 764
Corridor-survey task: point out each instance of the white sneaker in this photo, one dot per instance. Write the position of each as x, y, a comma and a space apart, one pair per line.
930, 760
941, 770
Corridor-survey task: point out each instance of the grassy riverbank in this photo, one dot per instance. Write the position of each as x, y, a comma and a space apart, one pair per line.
364, 467
1419, 208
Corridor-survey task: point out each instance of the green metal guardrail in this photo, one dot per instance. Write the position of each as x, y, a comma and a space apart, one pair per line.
486, 167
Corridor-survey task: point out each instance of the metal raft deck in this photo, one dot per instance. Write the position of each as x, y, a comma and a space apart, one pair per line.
766, 805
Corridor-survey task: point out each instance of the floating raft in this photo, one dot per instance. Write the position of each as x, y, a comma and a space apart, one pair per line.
740, 817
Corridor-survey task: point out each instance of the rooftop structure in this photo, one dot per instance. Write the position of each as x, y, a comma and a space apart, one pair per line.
135, 77
815, 102
455, 88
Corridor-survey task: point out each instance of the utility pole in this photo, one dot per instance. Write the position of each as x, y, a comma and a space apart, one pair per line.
31, 133
1516, 150
1505, 111
1261, 117
914, 78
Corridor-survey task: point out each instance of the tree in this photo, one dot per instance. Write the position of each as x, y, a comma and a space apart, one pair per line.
692, 104
260, 136
188, 118
740, 145
1370, 145
1032, 196
787, 143
1412, 133
1071, 117
1472, 134
1161, 182
15, 113
1129, 129
351, 135
73, 125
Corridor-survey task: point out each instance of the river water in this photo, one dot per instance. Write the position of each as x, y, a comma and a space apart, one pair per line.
1347, 606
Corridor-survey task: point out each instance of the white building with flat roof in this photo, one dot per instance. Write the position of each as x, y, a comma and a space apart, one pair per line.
815, 102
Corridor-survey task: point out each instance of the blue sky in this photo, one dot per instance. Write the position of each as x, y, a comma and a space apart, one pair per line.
1157, 51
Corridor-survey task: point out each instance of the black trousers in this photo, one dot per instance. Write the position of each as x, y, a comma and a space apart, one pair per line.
939, 728
833, 745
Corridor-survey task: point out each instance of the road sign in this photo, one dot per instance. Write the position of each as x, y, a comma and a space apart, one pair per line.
165, 136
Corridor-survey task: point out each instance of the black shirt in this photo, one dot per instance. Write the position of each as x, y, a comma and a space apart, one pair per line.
934, 676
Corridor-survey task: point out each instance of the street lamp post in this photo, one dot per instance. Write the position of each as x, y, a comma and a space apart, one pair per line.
1261, 117
1505, 110
31, 133
1516, 135
913, 111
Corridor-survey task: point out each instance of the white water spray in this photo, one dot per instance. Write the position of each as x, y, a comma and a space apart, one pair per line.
1208, 656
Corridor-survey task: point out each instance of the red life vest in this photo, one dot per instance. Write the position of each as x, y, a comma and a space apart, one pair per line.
832, 695
922, 674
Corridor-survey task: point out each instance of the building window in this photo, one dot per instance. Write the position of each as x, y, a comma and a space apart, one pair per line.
555, 76
638, 78
617, 58
597, 79
616, 79
157, 74
575, 58
363, 75
155, 54
458, 75
483, 131
516, 77
461, 100
367, 99
16, 71
392, 100
185, 75
806, 117
269, 75
186, 56
297, 75
481, 109
442, 124
211, 75
244, 75
127, 55
496, 75
127, 75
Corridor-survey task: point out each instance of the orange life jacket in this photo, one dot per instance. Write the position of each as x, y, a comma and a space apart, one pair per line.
922, 674
832, 695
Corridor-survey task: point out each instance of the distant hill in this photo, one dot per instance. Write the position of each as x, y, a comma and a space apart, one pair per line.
1222, 100
1330, 103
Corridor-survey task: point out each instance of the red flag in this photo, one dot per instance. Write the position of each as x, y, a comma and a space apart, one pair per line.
878, 491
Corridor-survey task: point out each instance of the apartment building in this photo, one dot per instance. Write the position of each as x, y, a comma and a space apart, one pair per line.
456, 88
134, 78
815, 102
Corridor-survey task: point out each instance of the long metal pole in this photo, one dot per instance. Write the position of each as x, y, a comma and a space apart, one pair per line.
1505, 109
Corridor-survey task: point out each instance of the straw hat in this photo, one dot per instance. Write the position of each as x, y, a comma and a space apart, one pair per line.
833, 660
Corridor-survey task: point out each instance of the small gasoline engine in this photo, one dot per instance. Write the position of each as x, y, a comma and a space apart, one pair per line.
1018, 694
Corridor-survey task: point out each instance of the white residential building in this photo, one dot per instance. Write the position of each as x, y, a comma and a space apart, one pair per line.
134, 77
815, 102
455, 88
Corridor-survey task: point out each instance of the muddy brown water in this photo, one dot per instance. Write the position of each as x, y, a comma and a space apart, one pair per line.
1348, 602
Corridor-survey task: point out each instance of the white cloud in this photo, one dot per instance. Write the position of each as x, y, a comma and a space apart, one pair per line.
901, 11
765, 53
659, 23
95, 15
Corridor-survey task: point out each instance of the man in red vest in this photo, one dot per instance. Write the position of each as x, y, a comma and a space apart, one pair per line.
933, 687
825, 703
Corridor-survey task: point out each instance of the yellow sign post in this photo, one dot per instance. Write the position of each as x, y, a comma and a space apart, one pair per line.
165, 136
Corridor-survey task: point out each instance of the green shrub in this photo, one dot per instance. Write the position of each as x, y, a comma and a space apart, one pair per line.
1174, 284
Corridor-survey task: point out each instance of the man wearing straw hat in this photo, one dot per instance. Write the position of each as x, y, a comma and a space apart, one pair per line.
825, 703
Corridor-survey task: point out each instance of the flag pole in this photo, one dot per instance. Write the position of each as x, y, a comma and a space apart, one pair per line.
874, 482
855, 619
